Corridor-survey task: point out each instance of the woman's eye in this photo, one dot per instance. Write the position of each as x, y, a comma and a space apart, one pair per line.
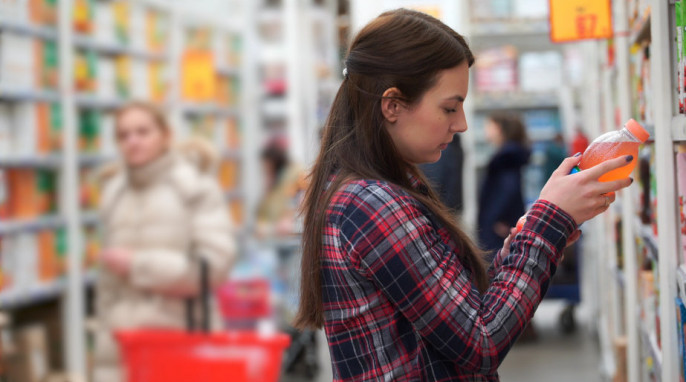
450, 110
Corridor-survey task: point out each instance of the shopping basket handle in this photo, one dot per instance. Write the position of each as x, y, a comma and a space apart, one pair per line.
204, 301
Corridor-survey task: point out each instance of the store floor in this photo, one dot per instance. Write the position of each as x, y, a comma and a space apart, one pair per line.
553, 356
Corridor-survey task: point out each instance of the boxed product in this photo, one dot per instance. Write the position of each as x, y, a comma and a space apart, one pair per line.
43, 11
89, 130
25, 124
157, 81
136, 24
681, 189
23, 197
121, 13
4, 195
156, 31
83, 16
233, 135
48, 262
91, 247
5, 129
229, 171
681, 332
85, 71
17, 61
496, 70
107, 78
47, 58
140, 83
122, 75
28, 361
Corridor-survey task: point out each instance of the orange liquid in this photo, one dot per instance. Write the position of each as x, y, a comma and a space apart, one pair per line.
601, 152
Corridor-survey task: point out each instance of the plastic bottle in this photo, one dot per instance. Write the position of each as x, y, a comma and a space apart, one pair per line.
608, 146
613, 145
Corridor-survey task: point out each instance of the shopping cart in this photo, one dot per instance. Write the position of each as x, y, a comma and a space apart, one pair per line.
189, 356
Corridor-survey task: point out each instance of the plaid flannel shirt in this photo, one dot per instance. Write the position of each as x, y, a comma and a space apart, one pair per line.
399, 304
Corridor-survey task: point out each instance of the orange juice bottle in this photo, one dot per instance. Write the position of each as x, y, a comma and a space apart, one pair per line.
613, 145
608, 146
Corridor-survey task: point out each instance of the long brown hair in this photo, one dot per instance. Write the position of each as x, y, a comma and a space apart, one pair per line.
511, 126
403, 49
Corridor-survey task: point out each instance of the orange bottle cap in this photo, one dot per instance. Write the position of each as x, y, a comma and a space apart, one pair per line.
637, 130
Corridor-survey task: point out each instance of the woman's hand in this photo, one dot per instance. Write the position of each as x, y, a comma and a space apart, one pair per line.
581, 195
117, 260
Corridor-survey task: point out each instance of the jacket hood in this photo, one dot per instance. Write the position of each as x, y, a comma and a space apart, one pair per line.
511, 155
198, 152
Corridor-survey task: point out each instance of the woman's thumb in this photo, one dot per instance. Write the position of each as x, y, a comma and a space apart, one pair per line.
568, 165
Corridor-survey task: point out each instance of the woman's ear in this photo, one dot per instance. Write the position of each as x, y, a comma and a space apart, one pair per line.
391, 104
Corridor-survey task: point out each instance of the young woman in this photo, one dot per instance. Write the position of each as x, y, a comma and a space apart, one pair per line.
400, 289
501, 202
162, 210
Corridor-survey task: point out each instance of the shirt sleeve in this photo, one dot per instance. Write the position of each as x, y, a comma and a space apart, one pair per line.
393, 243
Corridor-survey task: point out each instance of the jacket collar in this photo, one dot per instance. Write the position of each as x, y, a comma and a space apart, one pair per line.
147, 174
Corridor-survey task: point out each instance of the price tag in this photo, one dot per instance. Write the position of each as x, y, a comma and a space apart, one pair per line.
573, 20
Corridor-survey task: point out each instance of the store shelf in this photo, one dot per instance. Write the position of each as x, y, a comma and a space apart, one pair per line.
11, 227
29, 95
650, 342
209, 109
501, 27
92, 101
52, 161
19, 297
228, 71
90, 218
681, 282
487, 102
115, 49
26, 29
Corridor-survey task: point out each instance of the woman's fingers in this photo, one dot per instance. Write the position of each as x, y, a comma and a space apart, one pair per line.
567, 165
607, 166
614, 185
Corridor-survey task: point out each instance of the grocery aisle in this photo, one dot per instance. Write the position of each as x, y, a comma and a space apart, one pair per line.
571, 357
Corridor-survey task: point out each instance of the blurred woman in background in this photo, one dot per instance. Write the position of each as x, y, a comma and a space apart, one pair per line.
162, 211
285, 184
501, 202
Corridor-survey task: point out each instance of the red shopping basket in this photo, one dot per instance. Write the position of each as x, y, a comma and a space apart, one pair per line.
178, 356
244, 299
188, 356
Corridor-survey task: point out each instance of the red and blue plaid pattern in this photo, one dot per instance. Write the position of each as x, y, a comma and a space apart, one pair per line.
399, 304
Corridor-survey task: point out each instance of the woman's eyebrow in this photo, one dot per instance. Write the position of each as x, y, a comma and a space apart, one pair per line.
456, 98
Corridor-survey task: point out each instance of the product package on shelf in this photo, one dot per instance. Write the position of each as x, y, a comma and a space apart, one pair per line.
85, 71
83, 14
121, 25
4, 196
229, 172
106, 78
640, 68
18, 65
91, 247
47, 68
227, 90
496, 70
679, 54
90, 189
233, 134
49, 263
139, 80
202, 126
681, 332
158, 81
156, 31
122, 74
89, 131
681, 192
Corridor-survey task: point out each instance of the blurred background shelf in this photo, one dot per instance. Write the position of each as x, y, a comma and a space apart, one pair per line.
28, 95
26, 29
20, 297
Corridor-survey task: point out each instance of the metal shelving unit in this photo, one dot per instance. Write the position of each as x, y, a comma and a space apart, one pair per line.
653, 27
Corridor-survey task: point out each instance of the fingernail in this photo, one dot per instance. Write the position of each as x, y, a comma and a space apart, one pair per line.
629, 158
576, 155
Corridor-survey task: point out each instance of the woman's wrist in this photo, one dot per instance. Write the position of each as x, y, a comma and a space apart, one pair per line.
551, 222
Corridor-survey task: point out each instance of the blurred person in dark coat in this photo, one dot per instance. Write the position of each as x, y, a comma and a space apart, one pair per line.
446, 175
555, 153
501, 201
